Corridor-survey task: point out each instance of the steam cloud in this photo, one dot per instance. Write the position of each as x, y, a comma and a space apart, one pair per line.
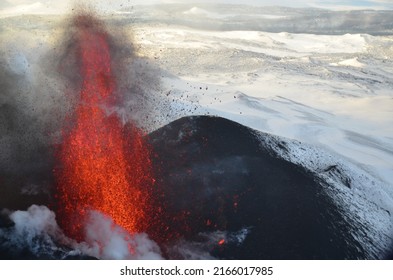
37, 231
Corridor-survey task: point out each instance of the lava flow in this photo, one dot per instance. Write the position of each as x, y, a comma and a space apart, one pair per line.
101, 166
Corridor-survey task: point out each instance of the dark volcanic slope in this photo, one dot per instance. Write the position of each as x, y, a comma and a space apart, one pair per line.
214, 178
213, 174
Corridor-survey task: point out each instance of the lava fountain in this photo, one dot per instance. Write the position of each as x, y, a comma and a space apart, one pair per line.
102, 165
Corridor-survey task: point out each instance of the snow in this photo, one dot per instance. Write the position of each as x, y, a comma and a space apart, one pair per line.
328, 97
199, 12
366, 201
352, 62
329, 91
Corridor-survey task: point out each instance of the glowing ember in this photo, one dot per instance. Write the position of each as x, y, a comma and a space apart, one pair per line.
221, 242
103, 167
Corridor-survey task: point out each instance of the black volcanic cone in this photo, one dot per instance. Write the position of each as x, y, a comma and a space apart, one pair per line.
214, 175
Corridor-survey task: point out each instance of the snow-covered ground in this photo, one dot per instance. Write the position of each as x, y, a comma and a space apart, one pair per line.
330, 97
330, 91
333, 91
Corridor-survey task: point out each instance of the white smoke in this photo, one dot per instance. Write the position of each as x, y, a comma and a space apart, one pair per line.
106, 240
37, 231
34, 231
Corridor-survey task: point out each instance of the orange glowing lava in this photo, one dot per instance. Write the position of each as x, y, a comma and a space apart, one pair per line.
102, 167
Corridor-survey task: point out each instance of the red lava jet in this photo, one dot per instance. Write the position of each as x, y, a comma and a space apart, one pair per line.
101, 165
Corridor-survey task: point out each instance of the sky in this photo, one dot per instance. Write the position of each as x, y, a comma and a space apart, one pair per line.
15, 7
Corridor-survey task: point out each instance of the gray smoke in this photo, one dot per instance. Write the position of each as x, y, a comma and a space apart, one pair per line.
31, 105
39, 89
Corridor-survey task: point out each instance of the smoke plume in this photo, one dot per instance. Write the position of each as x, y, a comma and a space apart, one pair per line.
37, 232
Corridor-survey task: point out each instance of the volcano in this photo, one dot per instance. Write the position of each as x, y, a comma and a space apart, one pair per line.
198, 187
215, 174
214, 177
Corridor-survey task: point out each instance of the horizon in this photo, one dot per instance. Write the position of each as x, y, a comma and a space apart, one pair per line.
21, 7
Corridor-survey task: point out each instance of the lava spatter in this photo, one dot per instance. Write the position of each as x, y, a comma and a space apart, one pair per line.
102, 165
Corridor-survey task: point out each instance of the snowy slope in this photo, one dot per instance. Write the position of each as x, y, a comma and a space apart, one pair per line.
329, 96
331, 91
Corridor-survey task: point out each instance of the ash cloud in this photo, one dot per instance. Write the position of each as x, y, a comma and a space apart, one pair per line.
26, 103
138, 94
39, 88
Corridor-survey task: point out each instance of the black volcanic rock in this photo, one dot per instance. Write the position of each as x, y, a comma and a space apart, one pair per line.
214, 175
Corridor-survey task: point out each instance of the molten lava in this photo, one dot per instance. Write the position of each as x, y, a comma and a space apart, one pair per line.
102, 167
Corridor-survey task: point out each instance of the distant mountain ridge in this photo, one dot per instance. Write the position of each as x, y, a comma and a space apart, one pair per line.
269, 19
